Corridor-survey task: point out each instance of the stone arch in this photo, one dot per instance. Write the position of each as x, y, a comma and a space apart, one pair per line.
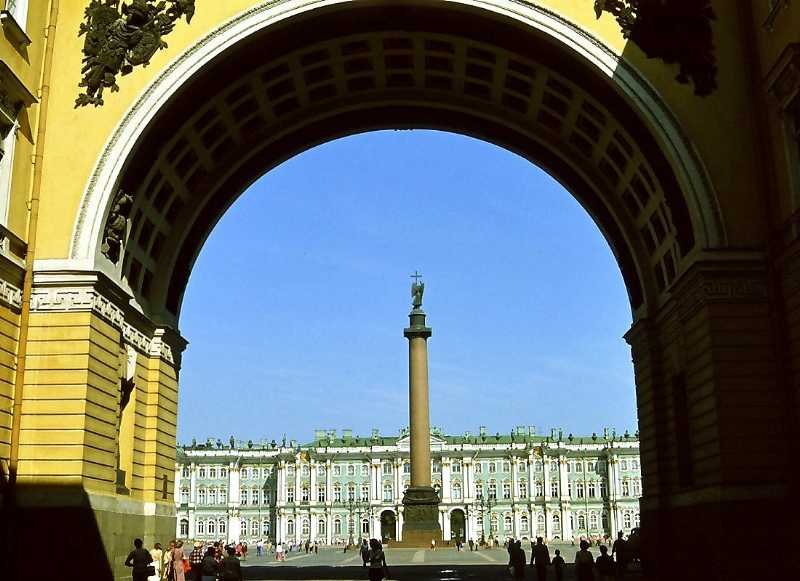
516, 75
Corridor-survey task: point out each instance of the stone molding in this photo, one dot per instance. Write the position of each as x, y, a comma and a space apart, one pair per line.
67, 292
10, 295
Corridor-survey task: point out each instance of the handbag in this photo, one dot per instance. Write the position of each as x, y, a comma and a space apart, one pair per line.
150, 570
187, 566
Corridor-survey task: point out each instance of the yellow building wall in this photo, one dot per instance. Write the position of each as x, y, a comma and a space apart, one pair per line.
9, 334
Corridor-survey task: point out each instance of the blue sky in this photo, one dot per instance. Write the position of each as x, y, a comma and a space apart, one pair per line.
296, 306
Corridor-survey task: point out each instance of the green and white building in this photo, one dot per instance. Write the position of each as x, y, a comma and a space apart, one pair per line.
340, 487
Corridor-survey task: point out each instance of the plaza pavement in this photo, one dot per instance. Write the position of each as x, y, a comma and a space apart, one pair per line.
445, 564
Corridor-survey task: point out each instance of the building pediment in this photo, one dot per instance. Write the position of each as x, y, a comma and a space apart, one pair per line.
437, 443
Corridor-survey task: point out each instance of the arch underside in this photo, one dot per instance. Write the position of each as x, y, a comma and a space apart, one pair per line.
278, 93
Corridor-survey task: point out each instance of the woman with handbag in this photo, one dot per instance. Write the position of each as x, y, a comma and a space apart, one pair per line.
139, 558
377, 561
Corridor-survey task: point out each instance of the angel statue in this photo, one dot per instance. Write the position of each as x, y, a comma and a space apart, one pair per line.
417, 290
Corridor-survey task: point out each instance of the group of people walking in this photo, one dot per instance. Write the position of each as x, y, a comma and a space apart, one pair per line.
586, 566
203, 563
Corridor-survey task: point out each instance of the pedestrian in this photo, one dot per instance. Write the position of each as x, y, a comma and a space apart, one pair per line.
540, 558
605, 565
157, 555
471, 545
558, 566
618, 549
584, 563
139, 560
230, 569
175, 557
244, 551
433, 544
516, 559
316, 548
208, 568
377, 561
195, 558
279, 552
364, 553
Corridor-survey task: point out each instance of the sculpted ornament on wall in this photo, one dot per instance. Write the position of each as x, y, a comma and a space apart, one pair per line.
116, 226
122, 35
677, 32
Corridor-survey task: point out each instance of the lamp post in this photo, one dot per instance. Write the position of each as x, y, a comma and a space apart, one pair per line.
484, 505
354, 506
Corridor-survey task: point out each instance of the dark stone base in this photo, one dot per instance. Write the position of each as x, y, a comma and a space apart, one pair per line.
420, 517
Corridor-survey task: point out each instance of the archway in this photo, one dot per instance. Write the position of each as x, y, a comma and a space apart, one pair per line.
458, 525
388, 526
284, 76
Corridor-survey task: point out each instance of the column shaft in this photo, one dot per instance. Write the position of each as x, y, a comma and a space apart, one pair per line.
419, 412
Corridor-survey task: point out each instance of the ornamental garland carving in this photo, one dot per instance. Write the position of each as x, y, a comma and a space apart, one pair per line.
121, 35
677, 32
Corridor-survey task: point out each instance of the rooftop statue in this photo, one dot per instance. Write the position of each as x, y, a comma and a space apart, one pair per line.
417, 290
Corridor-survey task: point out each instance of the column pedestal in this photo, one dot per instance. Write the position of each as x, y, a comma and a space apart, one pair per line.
420, 517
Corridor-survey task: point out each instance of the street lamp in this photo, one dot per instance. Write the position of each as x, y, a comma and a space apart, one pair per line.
354, 506
484, 505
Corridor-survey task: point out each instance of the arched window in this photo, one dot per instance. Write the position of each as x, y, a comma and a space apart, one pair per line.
365, 527
265, 528
456, 491
387, 468
201, 496
406, 468
365, 470
222, 526
523, 489
479, 490
626, 488
634, 464
290, 527
185, 472
507, 522
255, 496
581, 522
337, 493
478, 467
184, 527
592, 489
351, 470
636, 519
492, 467
337, 526
212, 496
243, 527
320, 471
321, 527
212, 526
538, 466
492, 489
539, 487
201, 472
304, 495
254, 528
201, 527
184, 495
387, 492
212, 472
623, 465
540, 523
523, 523
593, 519
223, 472
626, 520
306, 528
556, 522
305, 471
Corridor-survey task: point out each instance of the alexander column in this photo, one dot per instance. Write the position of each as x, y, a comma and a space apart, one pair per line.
421, 502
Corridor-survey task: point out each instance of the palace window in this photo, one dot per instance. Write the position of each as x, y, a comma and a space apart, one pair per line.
539, 488
478, 467
321, 471
437, 467
255, 496
351, 470
456, 467
578, 466
406, 468
223, 495
540, 523
522, 467
569, 488
321, 527
387, 492
212, 472
579, 489
553, 467
290, 527
337, 493
253, 528
222, 526
590, 466
267, 494
603, 489
245, 497
456, 491
637, 487
304, 495
201, 527
223, 472
538, 466
492, 467
581, 522
479, 490
364, 493
212, 496
290, 470
506, 466
290, 494
243, 526
523, 489
351, 491
305, 471
202, 472
201, 496
493, 523
506, 490
265, 528
387, 468
479, 521
556, 523
364, 527
623, 465
634, 464
492, 489
337, 526
604, 520
554, 489
320, 494
592, 489
306, 528
184, 527
626, 520
337, 470
523, 523
626, 488
185, 472
593, 520
212, 526
636, 519
507, 523
184, 495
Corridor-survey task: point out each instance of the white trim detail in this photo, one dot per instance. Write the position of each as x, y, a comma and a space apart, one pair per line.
100, 188
10, 295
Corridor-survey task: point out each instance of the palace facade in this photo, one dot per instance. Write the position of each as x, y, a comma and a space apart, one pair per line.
340, 487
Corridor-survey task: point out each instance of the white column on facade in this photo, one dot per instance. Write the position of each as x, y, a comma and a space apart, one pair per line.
234, 495
193, 484
514, 480
466, 466
444, 520
446, 482
375, 518
280, 493
563, 476
297, 472
329, 484
532, 476
399, 525
376, 479
546, 477
312, 493
398, 481
192, 525
566, 529
329, 521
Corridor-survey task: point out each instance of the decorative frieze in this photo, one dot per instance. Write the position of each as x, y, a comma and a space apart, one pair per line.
10, 295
